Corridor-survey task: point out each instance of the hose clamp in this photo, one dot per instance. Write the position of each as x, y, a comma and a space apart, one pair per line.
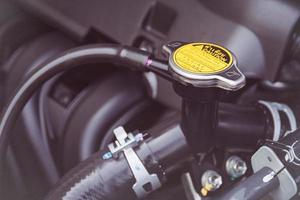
275, 109
145, 182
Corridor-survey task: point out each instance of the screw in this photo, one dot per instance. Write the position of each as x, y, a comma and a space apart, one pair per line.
107, 155
235, 167
210, 181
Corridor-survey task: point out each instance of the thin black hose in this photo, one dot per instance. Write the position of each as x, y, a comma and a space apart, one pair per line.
101, 53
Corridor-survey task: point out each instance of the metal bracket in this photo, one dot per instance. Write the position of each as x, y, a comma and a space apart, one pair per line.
274, 109
145, 182
124, 141
190, 192
290, 155
266, 157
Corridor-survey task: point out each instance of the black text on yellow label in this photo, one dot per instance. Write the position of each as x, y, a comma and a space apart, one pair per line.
202, 58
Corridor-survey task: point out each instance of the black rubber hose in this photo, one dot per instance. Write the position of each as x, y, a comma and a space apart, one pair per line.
125, 56
70, 59
98, 179
254, 187
237, 123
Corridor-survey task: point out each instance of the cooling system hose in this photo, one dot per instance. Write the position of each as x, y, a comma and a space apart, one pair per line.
95, 179
112, 179
125, 56
101, 53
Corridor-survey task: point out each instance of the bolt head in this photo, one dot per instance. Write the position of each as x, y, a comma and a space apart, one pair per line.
211, 180
235, 167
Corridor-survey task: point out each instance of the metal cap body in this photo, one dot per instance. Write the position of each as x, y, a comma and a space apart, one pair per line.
204, 65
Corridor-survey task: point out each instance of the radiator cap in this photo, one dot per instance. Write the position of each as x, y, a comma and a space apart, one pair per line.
204, 65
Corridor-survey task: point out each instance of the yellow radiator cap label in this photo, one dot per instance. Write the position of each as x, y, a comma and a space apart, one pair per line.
202, 58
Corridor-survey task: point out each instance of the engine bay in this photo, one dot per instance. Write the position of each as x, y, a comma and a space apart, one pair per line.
149, 99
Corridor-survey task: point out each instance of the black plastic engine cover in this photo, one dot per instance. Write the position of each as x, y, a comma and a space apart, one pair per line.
258, 40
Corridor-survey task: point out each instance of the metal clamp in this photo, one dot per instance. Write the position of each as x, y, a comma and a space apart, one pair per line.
274, 109
145, 182
290, 155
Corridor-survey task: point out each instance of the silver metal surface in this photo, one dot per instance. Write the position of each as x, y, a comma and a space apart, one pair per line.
290, 155
217, 79
145, 182
141, 175
235, 167
190, 192
275, 109
209, 80
269, 177
290, 115
123, 141
265, 157
211, 178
